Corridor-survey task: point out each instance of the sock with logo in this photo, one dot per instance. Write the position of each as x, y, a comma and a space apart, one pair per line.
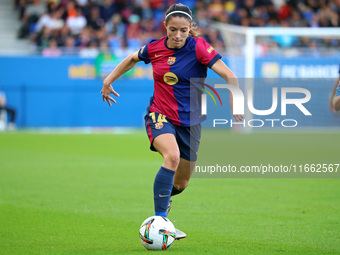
162, 190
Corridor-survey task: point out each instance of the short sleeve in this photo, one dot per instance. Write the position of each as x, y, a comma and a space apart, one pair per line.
143, 54
205, 53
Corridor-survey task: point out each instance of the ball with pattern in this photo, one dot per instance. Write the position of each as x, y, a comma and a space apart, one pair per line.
157, 233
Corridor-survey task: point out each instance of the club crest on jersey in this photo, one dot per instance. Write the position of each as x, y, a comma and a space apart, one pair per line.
170, 78
210, 49
159, 125
171, 60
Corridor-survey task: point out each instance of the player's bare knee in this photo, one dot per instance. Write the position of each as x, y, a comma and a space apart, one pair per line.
171, 159
181, 185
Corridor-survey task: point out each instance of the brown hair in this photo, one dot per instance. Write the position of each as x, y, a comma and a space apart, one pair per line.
181, 7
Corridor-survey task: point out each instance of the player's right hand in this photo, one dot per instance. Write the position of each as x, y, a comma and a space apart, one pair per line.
106, 91
238, 117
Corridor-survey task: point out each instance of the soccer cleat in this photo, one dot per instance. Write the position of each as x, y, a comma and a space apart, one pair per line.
169, 207
180, 234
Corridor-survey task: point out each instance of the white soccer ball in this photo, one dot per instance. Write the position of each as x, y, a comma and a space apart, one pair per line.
157, 233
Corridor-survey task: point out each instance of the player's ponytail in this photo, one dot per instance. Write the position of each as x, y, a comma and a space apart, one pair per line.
181, 11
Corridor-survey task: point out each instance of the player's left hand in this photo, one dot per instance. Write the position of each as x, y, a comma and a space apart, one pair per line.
106, 91
238, 117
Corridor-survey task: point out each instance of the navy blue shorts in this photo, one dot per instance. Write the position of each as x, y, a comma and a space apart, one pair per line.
188, 138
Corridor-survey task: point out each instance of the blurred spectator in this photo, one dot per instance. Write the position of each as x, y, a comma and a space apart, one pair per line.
42, 38
314, 50
315, 20
114, 26
21, 7
134, 28
30, 16
84, 37
50, 20
284, 12
82, 2
202, 19
69, 48
123, 50
5, 109
107, 10
215, 40
284, 40
147, 31
215, 9
52, 5
104, 47
271, 12
95, 21
146, 11
76, 23
52, 50
35, 9
328, 17
91, 22
63, 34
296, 20
100, 34
91, 51
71, 10
156, 4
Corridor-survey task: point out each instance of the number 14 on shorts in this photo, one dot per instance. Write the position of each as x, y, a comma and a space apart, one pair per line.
161, 118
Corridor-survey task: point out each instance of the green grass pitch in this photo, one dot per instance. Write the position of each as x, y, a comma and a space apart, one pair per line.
88, 194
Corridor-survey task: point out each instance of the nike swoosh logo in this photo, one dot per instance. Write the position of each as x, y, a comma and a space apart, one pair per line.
156, 56
163, 195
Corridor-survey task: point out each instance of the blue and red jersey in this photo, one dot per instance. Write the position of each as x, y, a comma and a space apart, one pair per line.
172, 71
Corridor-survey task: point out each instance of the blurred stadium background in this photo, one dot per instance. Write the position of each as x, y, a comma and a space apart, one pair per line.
54, 53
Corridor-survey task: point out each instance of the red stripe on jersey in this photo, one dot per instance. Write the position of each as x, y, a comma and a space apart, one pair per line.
164, 100
149, 131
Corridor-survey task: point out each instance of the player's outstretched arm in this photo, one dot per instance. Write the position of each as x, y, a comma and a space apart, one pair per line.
222, 70
122, 68
331, 103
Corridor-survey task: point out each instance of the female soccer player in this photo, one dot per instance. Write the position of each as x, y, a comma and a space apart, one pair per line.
172, 124
334, 100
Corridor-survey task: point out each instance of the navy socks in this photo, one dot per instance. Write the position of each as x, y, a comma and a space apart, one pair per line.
162, 188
